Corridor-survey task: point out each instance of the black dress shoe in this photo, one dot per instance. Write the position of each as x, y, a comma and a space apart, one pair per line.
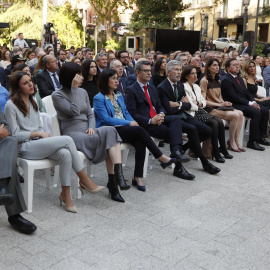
210, 168
255, 146
5, 198
263, 141
21, 224
161, 144
181, 172
225, 153
179, 157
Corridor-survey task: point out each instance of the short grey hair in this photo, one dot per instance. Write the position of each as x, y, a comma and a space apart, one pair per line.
99, 55
139, 65
148, 55
178, 57
112, 63
46, 60
170, 65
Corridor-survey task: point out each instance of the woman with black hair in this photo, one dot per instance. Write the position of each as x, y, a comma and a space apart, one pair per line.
197, 101
77, 121
215, 105
111, 110
90, 73
159, 74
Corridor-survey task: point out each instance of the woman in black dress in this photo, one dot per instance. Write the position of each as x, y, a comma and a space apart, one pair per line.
90, 75
159, 74
249, 75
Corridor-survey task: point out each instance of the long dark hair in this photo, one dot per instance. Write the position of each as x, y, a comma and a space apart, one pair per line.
85, 71
212, 83
103, 82
158, 64
15, 94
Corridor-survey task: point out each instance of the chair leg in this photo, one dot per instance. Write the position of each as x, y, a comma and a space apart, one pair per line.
56, 176
146, 160
242, 133
76, 189
48, 178
124, 155
28, 188
89, 170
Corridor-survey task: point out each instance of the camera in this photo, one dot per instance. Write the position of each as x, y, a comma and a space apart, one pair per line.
48, 26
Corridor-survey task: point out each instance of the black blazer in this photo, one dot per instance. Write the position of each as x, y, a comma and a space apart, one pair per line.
3, 77
166, 94
45, 83
248, 50
124, 85
138, 105
130, 69
233, 92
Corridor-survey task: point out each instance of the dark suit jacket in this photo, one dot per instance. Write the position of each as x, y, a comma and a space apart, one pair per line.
248, 50
166, 94
138, 105
2, 77
44, 83
133, 78
133, 62
233, 92
130, 69
124, 85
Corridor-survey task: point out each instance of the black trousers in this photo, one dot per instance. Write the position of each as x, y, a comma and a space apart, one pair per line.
139, 139
197, 132
170, 131
258, 122
265, 103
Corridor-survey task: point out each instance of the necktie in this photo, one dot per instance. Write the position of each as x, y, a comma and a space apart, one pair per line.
58, 85
127, 71
238, 81
121, 88
152, 111
175, 92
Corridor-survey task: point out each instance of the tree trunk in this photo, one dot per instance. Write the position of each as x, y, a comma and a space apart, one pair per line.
172, 19
108, 30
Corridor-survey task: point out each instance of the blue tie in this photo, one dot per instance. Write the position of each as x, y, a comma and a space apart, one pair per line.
56, 81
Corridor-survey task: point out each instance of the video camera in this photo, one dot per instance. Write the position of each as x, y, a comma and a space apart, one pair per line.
48, 26
47, 35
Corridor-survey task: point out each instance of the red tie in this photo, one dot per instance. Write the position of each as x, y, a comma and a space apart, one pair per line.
152, 111
238, 81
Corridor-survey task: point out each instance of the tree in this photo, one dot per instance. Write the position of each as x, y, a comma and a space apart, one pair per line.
107, 10
156, 13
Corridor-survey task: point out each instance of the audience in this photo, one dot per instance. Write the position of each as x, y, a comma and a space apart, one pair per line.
159, 73
122, 81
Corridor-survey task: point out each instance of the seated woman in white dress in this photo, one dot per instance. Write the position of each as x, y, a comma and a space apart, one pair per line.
21, 112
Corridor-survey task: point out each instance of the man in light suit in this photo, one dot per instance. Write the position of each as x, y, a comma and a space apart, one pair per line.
143, 104
118, 67
233, 89
173, 98
10, 189
48, 79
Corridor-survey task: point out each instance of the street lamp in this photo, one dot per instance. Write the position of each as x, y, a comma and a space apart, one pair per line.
202, 20
246, 4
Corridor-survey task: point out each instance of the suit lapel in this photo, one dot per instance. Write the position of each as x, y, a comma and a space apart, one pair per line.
140, 92
170, 89
235, 81
109, 106
48, 78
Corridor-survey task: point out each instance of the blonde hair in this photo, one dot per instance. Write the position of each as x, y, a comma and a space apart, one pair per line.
245, 67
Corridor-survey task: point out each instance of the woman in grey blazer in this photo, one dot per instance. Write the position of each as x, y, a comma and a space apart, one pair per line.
21, 112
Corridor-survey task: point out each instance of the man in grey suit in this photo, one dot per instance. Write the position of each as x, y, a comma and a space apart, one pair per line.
10, 189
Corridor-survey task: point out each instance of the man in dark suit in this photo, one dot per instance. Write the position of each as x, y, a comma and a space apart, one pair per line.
143, 104
124, 59
173, 99
137, 56
48, 79
118, 67
233, 89
2, 77
10, 188
62, 56
245, 49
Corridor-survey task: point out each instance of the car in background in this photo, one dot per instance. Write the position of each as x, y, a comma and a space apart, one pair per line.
230, 44
123, 28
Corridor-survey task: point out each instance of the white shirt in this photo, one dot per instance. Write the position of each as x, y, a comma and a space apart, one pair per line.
57, 77
21, 43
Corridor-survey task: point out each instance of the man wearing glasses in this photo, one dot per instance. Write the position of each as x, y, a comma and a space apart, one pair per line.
123, 57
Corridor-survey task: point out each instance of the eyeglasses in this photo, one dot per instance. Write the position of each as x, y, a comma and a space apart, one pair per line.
54, 61
119, 66
146, 70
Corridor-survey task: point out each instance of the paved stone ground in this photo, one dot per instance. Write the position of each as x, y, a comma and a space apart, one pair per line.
215, 222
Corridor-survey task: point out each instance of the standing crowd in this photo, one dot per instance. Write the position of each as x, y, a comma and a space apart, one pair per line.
118, 97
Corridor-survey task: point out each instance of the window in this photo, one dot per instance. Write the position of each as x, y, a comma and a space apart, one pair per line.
205, 25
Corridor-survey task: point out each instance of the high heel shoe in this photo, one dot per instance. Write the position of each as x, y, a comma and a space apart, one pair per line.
141, 188
241, 149
71, 209
225, 153
218, 159
113, 189
165, 165
93, 191
232, 149
119, 178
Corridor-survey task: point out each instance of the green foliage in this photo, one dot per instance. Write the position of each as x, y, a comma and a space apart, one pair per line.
156, 13
112, 44
259, 48
266, 10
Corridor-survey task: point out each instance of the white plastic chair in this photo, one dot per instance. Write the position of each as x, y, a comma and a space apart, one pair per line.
261, 91
48, 103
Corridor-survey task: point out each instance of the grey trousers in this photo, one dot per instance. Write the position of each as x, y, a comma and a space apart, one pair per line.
60, 148
8, 161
